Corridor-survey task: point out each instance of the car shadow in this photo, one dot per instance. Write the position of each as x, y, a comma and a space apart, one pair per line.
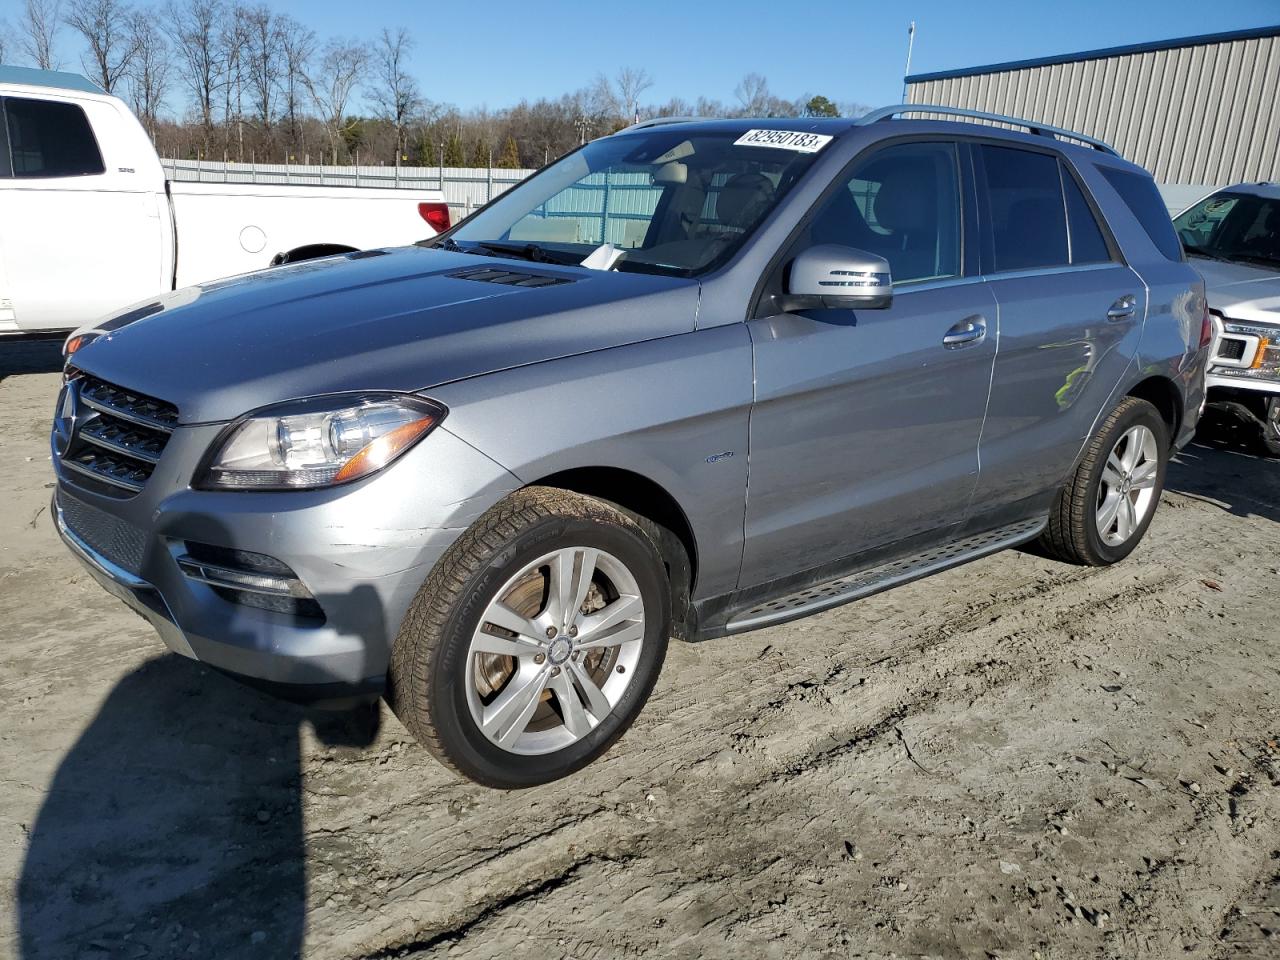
39, 356
1232, 476
173, 827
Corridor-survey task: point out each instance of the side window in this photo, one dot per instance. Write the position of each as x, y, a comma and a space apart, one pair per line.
1087, 242
49, 139
1140, 195
1025, 209
901, 203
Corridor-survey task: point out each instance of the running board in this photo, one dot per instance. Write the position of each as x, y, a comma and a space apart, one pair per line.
855, 586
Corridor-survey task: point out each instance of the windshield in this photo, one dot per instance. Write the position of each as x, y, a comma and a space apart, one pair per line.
1238, 227
662, 201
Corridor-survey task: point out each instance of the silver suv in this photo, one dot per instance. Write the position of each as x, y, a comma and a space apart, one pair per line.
696, 378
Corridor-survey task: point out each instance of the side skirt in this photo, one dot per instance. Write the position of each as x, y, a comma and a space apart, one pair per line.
840, 590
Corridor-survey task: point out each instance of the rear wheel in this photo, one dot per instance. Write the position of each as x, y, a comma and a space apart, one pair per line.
535, 642
1105, 508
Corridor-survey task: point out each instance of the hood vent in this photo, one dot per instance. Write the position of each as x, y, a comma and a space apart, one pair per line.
511, 278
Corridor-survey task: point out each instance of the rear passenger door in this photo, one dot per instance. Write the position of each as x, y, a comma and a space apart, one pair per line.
1070, 316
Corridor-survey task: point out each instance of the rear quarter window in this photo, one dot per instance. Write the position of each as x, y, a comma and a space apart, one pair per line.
1140, 195
50, 139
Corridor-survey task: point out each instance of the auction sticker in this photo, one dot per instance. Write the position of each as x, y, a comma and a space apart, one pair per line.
796, 140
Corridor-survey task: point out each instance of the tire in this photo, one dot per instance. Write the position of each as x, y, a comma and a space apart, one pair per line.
478, 710
1080, 530
1270, 433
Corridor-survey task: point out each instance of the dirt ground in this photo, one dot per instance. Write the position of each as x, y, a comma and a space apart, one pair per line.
1015, 759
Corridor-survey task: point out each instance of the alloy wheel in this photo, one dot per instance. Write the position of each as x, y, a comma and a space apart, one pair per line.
555, 650
1127, 493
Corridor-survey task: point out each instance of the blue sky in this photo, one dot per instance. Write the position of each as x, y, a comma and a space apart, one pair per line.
495, 52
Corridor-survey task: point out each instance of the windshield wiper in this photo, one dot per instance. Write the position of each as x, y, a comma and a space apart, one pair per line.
1195, 251
441, 243
528, 251
1257, 258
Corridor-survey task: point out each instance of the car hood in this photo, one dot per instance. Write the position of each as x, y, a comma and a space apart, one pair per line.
403, 320
1241, 291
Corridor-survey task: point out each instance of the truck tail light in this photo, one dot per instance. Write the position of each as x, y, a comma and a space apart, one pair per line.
436, 214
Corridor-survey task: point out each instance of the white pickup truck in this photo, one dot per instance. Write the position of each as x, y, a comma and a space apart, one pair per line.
89, 224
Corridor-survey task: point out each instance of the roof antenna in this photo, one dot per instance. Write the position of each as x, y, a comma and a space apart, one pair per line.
906, 71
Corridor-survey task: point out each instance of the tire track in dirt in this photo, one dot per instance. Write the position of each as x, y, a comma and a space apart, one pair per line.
863, 733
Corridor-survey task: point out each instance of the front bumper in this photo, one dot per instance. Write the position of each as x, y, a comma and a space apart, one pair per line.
362, 551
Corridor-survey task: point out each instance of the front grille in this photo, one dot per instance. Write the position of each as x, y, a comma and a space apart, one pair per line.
1230, 348
119, 541
109, 437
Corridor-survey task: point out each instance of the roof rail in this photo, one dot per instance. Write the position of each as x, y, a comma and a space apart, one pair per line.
659, 121
1032, 126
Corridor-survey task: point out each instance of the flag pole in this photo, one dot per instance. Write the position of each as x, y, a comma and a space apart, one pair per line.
906, 71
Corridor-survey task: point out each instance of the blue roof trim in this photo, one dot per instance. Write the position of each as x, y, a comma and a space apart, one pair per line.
1173, 44
47, 78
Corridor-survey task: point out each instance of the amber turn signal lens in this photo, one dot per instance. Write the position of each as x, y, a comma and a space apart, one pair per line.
383, 450
75, 343
1261, 355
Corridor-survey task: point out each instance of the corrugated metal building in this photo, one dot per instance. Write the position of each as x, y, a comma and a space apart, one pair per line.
1196, 110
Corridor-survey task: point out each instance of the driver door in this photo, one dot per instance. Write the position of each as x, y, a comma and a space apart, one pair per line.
865, 426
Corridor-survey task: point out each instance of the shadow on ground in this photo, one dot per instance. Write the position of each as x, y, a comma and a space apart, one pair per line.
180, 800
41, 356
1233, 476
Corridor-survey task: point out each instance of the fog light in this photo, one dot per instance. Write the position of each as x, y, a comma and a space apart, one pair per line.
250, 579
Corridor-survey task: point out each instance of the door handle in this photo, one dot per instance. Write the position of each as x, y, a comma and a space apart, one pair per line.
968, 331
1124, 308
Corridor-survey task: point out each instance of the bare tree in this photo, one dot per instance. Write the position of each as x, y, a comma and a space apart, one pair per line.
193, 26
753, 93
631, 82
264, 64
4, 40
341, 67
395, 92
106, 28
40, 22
619, 97
149, 72
298, 46
233, 42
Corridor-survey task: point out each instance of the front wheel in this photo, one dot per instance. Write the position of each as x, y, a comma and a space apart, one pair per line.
1271, 427
536, 640
1105, 508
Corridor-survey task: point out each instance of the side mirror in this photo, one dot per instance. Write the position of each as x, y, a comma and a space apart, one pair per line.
832, 277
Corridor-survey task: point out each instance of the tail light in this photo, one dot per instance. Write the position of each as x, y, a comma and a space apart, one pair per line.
1206, 327
436, 214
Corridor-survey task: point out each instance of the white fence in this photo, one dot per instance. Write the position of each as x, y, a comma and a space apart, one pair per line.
464, 188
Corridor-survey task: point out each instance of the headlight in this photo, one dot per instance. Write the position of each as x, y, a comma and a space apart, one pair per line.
318, 443
77, 341
1248, 350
